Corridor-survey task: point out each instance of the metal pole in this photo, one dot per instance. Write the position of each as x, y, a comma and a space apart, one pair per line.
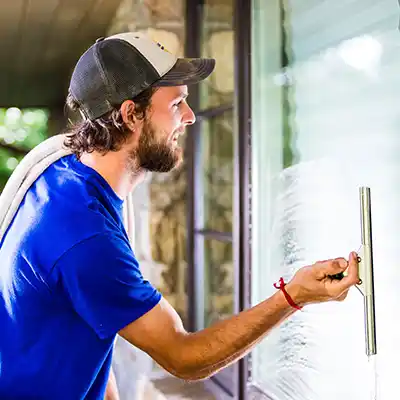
366, 271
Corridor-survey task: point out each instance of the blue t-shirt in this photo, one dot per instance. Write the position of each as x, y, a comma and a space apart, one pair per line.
69, 281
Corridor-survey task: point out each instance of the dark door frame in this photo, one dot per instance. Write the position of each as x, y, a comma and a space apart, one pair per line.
241, 235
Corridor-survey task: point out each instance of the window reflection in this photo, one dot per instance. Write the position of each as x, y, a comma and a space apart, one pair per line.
219, 278
217, 151
337, 111
217, 42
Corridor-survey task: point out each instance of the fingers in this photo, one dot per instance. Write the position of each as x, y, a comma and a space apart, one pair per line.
335, 266
352, 277
322, 261
339, 289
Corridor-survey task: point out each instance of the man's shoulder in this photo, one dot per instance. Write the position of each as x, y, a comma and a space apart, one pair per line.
61, 209
55, 217
55, 229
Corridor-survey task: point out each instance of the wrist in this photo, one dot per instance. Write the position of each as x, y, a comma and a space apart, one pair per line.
293, 295
282, 302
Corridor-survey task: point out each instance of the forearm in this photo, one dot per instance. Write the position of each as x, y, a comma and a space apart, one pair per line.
203, 353
160, 332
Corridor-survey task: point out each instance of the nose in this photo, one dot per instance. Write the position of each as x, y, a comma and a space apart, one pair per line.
188, 117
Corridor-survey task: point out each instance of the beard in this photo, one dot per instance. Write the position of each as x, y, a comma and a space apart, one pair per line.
155, 155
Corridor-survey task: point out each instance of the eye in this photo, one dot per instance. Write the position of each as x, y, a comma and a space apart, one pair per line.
178, 103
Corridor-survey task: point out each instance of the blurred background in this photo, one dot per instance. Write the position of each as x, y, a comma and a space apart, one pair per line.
301, 111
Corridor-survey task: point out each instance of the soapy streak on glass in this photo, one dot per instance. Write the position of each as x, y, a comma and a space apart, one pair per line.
346, 119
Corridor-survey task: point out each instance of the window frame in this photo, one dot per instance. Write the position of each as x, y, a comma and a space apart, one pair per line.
240, 236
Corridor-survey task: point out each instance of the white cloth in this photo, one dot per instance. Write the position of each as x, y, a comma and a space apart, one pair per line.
26, 173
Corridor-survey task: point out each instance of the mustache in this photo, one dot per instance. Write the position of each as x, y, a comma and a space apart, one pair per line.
181, 131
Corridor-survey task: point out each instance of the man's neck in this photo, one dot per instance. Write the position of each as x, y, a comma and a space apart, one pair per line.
114, 168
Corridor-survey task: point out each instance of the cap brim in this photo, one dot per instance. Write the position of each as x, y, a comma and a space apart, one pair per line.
187, 71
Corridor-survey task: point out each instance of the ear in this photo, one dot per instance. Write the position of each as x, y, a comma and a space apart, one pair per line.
128, 114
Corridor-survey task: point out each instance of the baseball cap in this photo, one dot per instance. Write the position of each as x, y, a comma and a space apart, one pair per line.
121, 66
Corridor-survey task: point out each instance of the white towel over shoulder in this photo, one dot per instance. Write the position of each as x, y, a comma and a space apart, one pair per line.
26, 173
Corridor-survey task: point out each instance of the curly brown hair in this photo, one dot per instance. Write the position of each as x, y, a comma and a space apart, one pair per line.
107, 133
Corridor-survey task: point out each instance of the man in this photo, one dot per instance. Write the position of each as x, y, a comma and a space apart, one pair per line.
69, 279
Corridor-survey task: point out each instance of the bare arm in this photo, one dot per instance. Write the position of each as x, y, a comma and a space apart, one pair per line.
198, 355
192, 356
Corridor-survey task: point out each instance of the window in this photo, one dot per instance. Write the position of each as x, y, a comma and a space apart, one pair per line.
210, 149
325, 122
217, 151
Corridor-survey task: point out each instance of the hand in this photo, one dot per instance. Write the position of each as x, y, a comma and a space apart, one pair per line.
313, 284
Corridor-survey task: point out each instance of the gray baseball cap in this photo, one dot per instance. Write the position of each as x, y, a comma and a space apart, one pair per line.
121, 66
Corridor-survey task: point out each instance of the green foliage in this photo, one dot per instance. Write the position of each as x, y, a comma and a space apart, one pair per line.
22, 129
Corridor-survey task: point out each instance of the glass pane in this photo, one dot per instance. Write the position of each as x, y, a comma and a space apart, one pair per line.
218, 43
219, 281
217, 151
325, 122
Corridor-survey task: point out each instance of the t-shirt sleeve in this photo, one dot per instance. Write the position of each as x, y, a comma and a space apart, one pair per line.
102, 279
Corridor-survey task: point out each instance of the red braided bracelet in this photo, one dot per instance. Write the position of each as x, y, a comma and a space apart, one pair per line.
281, 286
